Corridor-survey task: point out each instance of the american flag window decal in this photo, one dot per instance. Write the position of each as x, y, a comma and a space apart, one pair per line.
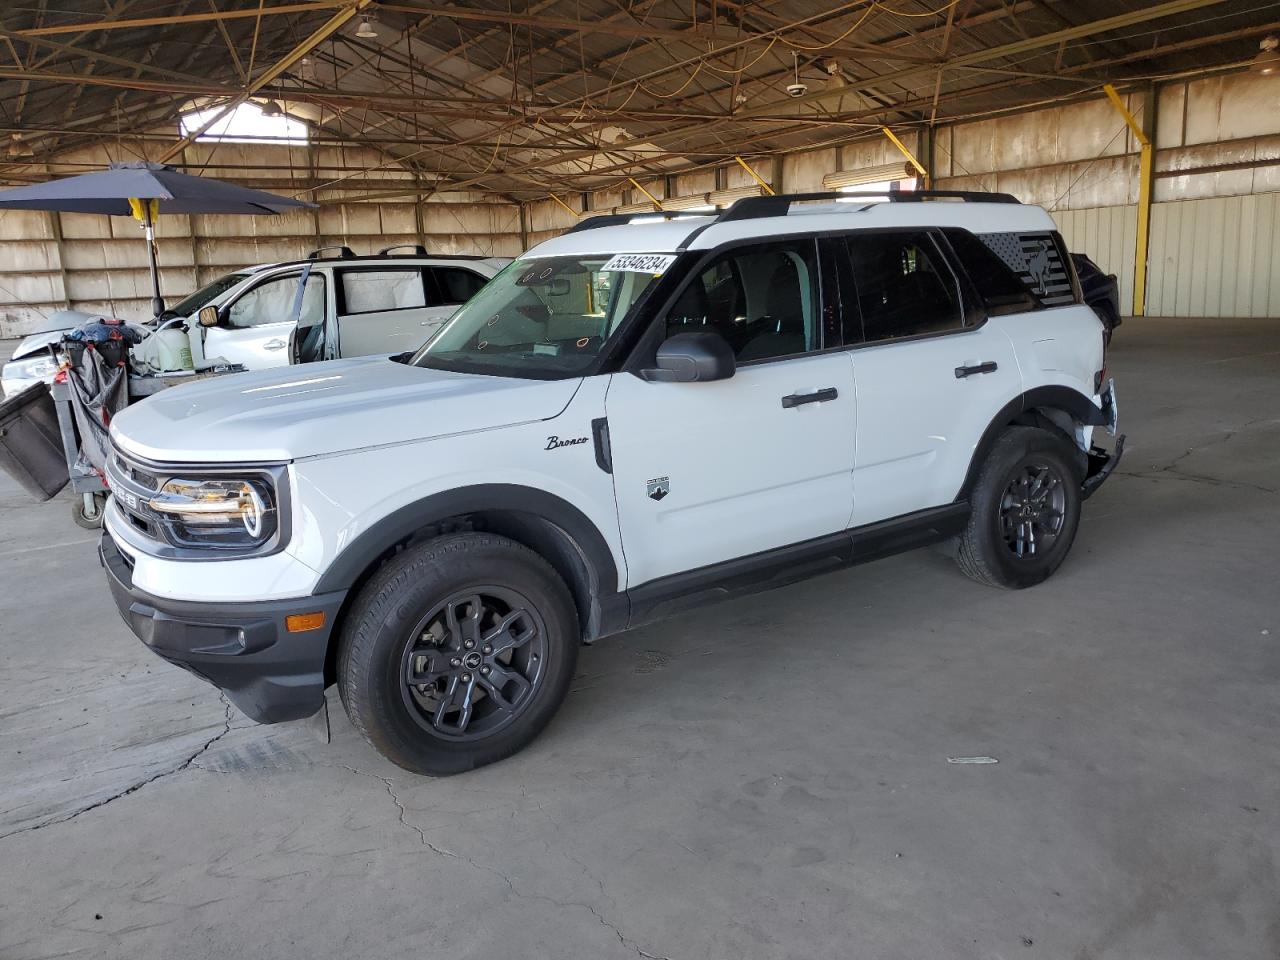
1038, 261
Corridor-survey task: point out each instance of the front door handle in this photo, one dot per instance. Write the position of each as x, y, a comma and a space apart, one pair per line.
988, 367
274, 345
818, 396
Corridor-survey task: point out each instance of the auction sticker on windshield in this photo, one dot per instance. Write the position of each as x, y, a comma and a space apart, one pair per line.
654, 263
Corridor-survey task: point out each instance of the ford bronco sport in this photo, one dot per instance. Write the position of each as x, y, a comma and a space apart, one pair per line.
632, 418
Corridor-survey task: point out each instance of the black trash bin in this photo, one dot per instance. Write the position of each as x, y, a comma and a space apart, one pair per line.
30, 444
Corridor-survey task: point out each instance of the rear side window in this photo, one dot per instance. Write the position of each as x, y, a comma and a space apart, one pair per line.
1039, 262
456, 285
905, 287
1002, 291
374, 291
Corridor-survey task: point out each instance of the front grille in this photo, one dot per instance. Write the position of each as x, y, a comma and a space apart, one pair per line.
132, 487
135, 473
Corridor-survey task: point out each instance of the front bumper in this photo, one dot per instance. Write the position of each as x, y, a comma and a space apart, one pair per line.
241, 648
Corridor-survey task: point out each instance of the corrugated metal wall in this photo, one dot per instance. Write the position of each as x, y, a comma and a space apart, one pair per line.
1108, 235
1215, 258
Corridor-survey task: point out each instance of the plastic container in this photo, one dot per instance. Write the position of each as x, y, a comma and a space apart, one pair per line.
30, 444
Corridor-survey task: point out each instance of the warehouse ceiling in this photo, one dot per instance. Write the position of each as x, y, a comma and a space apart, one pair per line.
522, 98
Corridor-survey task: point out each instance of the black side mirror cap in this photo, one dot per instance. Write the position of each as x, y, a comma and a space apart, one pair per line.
692, 358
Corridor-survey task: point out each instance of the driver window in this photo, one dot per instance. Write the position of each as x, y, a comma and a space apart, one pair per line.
273, 301
762, 299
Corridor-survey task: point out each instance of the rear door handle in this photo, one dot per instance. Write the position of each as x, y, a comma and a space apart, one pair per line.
818, 396
988, 367
274, 345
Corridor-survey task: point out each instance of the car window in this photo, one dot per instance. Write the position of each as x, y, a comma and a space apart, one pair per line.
762, 299
1001, 290
456, 284
544, 317
904, 288
192, 303
371, 291
273, 302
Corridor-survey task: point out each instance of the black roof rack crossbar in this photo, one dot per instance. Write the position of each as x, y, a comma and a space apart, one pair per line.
749, 208
345, 253
417, 248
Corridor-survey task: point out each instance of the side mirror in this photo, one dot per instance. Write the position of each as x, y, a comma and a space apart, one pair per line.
208, 316
693, 358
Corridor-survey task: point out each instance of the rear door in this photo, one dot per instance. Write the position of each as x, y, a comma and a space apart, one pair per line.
381, 310
930, 372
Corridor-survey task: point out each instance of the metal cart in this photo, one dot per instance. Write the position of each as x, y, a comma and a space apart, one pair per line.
92, 489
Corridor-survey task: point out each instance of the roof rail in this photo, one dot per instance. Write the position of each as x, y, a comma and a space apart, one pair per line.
417, 248
613, 219
749, 208
345, 253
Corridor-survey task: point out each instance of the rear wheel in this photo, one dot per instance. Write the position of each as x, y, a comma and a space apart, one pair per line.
457, 653
1025, 508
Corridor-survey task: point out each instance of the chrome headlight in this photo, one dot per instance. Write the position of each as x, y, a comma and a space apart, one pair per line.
227, 511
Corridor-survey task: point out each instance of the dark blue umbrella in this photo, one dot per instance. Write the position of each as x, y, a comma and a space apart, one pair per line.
143, 190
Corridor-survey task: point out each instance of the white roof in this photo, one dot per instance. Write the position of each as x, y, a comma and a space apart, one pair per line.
669, 235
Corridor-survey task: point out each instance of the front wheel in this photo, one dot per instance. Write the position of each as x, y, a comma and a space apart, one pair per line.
457, 653
1024, 509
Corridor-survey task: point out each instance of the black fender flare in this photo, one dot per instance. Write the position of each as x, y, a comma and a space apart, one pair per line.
1062, 398
365, 549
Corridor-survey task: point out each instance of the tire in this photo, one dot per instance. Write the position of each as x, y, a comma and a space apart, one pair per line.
413, 622
84, 520
1019, 533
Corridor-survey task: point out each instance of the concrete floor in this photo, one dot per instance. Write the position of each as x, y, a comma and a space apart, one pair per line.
765, 779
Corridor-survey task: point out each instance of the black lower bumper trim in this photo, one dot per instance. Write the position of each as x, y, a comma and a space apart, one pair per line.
242, 648
1101, 466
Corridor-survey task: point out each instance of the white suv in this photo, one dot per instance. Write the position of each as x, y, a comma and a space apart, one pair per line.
632, 418
344, 305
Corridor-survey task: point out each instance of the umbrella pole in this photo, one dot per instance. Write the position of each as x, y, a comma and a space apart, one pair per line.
157, 304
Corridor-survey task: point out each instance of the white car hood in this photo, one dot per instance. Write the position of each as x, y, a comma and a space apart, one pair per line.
324, 408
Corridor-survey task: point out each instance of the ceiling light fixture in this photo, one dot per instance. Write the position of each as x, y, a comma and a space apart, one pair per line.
271, 109
1267, 60
365, 31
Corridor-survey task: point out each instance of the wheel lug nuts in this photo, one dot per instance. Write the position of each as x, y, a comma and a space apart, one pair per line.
484, 671
466, 678
469, 644
455, 662
487, 649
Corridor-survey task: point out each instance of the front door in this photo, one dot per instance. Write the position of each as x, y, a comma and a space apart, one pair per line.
708, 472
254, 329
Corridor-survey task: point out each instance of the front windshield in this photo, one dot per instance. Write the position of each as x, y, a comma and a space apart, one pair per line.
184, 308
543, 317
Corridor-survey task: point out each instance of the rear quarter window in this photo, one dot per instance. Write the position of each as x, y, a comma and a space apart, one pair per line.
1037, 260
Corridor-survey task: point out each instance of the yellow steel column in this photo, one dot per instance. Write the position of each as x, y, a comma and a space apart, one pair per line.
572, 212
1145, 165
755, 176
911, 157
657, 204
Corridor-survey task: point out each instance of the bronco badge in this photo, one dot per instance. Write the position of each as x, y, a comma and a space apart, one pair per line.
659, 488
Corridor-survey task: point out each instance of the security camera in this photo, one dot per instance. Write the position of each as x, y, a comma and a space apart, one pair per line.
797, 89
